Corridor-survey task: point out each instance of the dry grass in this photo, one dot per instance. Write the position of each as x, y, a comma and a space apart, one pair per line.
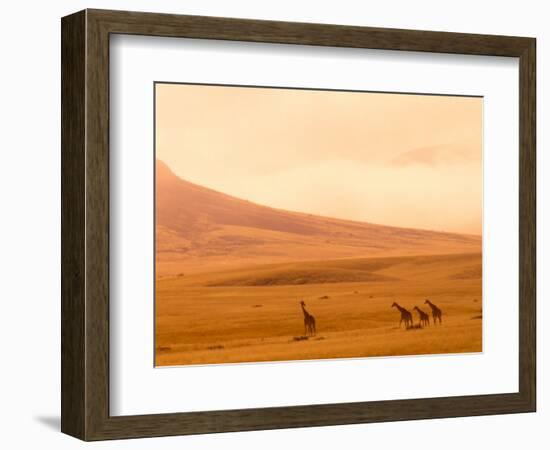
215, 317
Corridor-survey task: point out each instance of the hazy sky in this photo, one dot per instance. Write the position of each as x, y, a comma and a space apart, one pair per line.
393, 159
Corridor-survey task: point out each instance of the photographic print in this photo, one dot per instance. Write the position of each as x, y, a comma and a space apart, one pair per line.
307, 224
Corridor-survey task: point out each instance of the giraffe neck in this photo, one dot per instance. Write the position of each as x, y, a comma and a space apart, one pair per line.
306, 314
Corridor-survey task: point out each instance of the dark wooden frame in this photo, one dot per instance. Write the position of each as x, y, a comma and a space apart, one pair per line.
85, 224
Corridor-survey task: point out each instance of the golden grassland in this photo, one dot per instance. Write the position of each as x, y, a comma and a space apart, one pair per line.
253, 314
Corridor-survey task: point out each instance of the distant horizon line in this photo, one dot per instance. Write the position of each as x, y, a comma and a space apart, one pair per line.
302, 212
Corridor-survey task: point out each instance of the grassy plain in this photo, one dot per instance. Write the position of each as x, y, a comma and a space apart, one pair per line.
252, 313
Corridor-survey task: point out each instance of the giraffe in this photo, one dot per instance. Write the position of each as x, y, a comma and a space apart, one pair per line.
309, 321
423, 316
436, 312
406, 316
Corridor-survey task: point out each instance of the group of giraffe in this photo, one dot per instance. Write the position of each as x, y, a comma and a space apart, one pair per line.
406, 317
423, 317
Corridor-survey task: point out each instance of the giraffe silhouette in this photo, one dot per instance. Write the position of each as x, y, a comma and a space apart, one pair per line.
309, 321
423, 316
406, 316
436, 312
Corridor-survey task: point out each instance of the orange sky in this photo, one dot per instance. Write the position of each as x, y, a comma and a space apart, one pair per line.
392, 159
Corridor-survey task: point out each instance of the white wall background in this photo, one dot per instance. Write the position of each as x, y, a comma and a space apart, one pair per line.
30, 221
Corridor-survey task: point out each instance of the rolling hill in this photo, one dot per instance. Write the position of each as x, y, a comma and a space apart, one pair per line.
198, 229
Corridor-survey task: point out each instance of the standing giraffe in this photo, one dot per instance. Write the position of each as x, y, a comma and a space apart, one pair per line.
406, 316
436, 312
423, 316
309, 321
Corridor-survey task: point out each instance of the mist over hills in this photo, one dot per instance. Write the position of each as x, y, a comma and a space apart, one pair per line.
199, 228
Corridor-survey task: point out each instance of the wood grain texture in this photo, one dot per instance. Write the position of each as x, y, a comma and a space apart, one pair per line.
73, 108
85, 224
152, 24
527, 224
97, 226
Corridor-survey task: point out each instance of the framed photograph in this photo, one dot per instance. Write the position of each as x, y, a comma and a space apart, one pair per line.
273, 225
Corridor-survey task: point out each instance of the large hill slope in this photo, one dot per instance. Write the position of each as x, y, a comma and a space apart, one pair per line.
200, 229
